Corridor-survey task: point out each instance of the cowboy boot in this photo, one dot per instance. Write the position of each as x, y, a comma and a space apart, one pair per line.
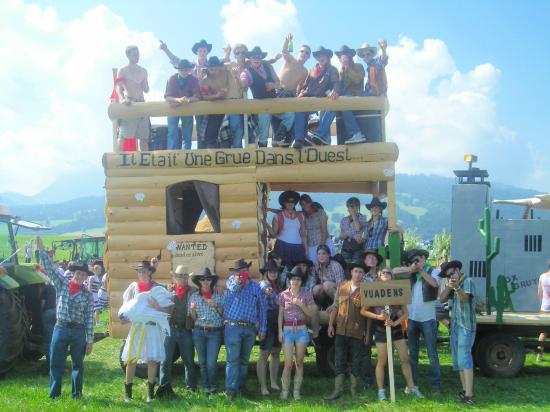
285, 385
297, 386
338, 388
150, 391
128, 392
353, 386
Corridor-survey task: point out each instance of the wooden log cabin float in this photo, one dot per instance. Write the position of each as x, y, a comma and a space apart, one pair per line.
209, 206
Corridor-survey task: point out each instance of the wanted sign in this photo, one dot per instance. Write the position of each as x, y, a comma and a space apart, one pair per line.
393, 292
194, 255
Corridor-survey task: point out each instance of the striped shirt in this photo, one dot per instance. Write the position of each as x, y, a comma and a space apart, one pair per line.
77, 308
206, 314
246, 304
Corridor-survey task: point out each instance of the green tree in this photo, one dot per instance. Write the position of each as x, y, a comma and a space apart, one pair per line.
412, 239
441, 250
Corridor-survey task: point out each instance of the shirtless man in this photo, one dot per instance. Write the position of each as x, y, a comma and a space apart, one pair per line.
214, 87
236, 90
131, 84
292, 75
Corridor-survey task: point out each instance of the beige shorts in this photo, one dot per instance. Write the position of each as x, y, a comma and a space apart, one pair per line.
140, 128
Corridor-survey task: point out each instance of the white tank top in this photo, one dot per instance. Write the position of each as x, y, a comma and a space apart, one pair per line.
291, 231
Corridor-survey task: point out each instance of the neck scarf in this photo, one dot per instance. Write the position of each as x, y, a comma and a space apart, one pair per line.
244, 278
144, 287
318, 71
74, 287
207, 295
180, 291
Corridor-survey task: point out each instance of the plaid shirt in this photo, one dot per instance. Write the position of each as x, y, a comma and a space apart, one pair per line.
463, 313
333, 273
77, 308
206, 314
246, 304
376, 234
348, 227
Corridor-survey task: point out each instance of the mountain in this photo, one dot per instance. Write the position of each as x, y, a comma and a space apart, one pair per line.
423, 204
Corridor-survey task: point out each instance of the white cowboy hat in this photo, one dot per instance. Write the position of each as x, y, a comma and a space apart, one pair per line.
364, 48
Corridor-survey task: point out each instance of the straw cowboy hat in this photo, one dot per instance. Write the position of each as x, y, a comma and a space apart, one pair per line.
366, 48
181, 271
144, 264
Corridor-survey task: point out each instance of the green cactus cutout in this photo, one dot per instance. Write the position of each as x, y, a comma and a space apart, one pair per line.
484, 228
501, 298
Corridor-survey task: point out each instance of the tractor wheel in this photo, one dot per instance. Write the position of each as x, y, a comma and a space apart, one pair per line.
324, 354
13, 329
500, 355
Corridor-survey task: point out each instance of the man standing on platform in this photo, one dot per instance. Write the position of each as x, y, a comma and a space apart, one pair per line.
245, 314
131, 84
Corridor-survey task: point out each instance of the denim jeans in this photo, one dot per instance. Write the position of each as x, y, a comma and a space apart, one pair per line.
429, 330
351, 256
366, 361
174, 140
344, 346
67, 340
48, 323
264, 121
201, 141
208, 345
183, 338
327, 118
236, 124
238, 341
462, 341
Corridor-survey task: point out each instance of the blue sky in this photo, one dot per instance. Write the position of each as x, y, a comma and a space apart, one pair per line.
477, 69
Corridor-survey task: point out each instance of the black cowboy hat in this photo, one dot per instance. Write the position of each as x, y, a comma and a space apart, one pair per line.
270, 267
379, 258
82, 266
214, 61
185, 64
297, 272
411, 254
240, 264
305, 261
358, 264
144, 264
376, 202
321, 50
206, 274
256, 51
449, 265
289, 195
345, 50
200, 44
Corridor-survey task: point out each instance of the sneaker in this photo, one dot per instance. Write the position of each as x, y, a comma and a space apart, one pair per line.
315, 139
468, 400
414, 391
297, 145
356, 138
230, 394
461, 395
382, 395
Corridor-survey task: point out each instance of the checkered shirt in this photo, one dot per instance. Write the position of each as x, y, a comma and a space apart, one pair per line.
246, 304
206, 314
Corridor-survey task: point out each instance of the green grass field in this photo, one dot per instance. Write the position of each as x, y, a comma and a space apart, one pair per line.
26, 389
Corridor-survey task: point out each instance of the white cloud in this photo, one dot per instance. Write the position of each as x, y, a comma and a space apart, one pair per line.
260, 22
437, 112
56, 79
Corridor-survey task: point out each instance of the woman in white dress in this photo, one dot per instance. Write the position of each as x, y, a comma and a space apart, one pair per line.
143, 303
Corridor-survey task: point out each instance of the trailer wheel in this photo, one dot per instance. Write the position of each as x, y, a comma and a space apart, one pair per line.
13, 329
500, 355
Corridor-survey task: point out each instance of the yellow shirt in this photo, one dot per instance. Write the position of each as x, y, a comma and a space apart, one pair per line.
353, 79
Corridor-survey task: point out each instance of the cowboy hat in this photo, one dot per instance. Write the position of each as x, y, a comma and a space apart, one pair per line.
181, 270
375, 202
345, 50
185, 64
296, 272
304, 261
256, 51
206, 274
144, 264
200, 44
411, 254
321, 50
379, 258
289, 195
358, 264
240, 264
270, 267
214, 61
450, 265
364, 49
81, 266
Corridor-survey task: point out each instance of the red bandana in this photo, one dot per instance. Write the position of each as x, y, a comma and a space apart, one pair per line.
244, 278
180, 291
144, 287
207, 295
74, 287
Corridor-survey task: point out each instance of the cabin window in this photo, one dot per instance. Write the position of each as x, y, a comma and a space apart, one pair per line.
192, 207
532, 243
478, 269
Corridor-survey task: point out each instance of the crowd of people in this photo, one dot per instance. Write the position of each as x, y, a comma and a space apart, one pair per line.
213, 78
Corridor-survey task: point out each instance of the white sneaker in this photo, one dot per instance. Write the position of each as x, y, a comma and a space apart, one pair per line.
414, 391
357, 138
382, 395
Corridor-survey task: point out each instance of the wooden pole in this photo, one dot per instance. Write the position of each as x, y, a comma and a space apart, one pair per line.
389, 346
115, 121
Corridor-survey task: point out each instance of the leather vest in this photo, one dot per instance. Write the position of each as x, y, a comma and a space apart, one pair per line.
429, 293
258, 83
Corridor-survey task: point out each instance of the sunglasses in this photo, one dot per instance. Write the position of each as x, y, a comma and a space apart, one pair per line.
417, 260
305, 51
386, 273
206, 280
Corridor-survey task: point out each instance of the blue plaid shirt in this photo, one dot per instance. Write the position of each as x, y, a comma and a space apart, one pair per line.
246, 304
376, 234
77, 308
206, 314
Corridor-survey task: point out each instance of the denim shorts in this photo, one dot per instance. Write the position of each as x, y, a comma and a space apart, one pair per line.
292, 336
462, 342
